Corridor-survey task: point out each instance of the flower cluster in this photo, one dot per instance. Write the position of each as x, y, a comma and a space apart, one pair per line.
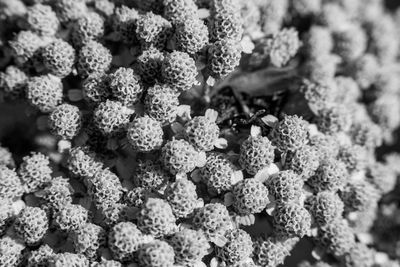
169, 132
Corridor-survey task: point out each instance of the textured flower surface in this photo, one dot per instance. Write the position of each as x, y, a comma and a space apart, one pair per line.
194, 133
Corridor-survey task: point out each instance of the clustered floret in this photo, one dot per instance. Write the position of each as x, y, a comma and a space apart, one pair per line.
189, 133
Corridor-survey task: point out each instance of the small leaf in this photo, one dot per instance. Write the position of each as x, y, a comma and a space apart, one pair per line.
237, 176
318, 253
211, 115
219, 240
177, 128
228, 199
195, 175
270, 120
183, 111
221, 143
75, 95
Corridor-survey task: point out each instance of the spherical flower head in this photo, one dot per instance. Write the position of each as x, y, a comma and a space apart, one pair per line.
226, 24
333, 16
256, 153
325, 207
10, 184
179, 10
334, 119
336, 237
156, 218
6, 157
250, 196
202, 132
285, 186
88, 239
359, 196
156, 254
190, 246
7, 215
348, 90
145, 134
96, 89
218, 173
382, 177
82, 162
214, 220
179, 156
42, 20
44, 92
148, 64
385, 111
35, 171
71, 217
104, 7
126, 86
330, 175
364, 70
25, 45
179, 71
321, 69
318, 94
272, 15
270, 252
251, 16
305, 8
182, 197
114, 213
291, 220
326, 146
93, 59
223, 57
13, 81
161, 103
353, 156
87, 28
124, 23
191, 35
359, 255
150, 175
318, 41
350, 42
303, 162
57, 194
111, 117
11, 9
10, 251
136, 197
153, 30
70, 10
238, 247
291, 133
69, 259
59, 58
107, 263
384, 40
124, 240
105, 188
279, 48
65, 121
31, 225
41, 256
